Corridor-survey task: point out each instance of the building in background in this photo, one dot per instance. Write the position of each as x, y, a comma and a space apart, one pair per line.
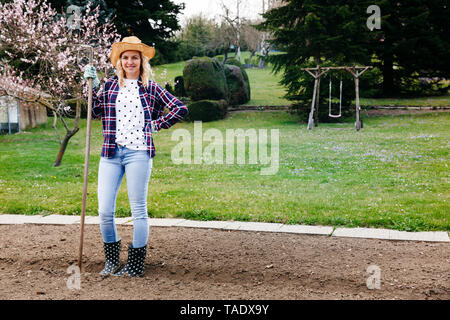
16, 116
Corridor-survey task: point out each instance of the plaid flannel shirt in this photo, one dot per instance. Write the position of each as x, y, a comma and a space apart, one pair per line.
154, 100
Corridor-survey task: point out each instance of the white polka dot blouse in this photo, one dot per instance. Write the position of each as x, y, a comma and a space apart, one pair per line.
130, 117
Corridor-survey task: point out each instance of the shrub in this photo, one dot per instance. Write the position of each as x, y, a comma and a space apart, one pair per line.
219, 58
204, 78
169, 88
207, 110
251, 62
234, 62
179, 87
238, 87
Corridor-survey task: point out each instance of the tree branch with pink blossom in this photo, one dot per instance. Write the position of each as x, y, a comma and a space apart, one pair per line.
44, 57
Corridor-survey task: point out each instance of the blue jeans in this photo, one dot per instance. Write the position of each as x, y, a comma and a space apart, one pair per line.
137, 166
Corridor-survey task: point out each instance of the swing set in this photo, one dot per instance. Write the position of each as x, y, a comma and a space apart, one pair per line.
319, 71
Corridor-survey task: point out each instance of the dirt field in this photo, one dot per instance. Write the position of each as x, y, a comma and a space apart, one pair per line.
198, 264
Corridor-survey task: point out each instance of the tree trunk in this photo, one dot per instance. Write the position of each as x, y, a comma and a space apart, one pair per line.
63, 146
261, 63
316, 110
69, 134
388, 75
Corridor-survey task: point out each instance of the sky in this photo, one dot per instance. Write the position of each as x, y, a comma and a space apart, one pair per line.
213, 8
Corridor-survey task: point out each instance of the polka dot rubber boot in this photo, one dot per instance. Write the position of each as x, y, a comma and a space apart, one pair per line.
135, 262
112, 257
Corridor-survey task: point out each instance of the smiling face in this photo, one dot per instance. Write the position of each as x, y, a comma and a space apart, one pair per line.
131, 64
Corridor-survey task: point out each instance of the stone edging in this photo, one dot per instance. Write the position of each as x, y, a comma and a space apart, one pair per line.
369, 233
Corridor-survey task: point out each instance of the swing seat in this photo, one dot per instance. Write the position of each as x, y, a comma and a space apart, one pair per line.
340, 102
334, 115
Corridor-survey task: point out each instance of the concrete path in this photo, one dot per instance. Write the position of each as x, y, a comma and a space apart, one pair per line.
387, 234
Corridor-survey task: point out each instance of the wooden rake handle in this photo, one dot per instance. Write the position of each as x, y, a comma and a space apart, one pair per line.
86, 163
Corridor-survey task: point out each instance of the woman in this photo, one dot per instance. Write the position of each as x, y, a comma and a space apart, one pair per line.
131, 108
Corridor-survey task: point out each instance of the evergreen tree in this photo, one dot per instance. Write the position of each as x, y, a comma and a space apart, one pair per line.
412, 43
152, 21
198, 38
317, 32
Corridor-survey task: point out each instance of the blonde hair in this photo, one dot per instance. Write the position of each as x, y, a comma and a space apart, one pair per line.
145, 71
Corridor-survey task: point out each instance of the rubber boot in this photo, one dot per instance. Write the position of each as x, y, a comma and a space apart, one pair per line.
112, 258
135, 262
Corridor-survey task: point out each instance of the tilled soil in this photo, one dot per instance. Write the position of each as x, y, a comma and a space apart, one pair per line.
204, 264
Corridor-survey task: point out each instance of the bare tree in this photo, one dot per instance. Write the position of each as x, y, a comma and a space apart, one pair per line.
234, 22
223, 38
265, 46
251, 36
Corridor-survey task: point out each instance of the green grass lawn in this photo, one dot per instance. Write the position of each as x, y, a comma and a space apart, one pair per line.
438, 101
392, 174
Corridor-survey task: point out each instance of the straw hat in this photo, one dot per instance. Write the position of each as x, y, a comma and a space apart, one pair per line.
130, 43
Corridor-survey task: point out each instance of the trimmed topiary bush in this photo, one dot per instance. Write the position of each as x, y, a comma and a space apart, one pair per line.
235, 62
251, 62
239, 88
204, 78
207, 110
220, 58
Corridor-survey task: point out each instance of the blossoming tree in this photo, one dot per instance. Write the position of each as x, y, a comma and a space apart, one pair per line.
44, 60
